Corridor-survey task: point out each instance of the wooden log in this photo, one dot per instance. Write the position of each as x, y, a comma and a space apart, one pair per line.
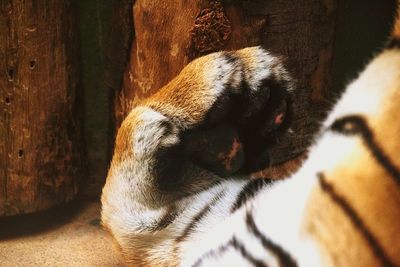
39, 129
169, 34
105, 38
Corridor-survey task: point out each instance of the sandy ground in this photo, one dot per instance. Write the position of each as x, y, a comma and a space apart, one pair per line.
65, 236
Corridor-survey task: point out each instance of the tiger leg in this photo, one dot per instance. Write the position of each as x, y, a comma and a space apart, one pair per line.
150, 180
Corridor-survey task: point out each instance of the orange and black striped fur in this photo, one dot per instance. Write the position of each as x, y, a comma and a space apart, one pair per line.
342, 208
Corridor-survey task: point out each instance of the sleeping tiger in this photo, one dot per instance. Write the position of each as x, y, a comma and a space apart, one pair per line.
341, 208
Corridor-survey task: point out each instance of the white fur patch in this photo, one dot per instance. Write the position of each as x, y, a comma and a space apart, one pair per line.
223, 73
150, 132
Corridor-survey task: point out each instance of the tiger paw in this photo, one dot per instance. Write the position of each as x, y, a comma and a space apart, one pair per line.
243, 121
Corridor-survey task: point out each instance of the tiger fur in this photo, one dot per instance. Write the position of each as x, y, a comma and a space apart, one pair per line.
341, 208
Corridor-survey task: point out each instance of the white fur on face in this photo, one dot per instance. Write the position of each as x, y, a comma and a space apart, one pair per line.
365, 96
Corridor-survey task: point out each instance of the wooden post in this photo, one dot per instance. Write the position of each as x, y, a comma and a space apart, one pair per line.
169, 34
39, 130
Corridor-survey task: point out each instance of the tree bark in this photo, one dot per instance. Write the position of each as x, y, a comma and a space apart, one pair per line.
39, 130
169, 34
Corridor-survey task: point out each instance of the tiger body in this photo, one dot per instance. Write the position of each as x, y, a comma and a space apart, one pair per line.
341, 208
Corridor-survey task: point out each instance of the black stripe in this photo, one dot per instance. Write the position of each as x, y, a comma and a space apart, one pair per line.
199, 216
248, 192
213, 253
169, 217
394, 43
356, 125
230, 57
237, 245
240, 247
284, 258
358, 223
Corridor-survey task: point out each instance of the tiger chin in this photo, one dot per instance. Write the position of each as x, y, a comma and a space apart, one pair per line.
168, 203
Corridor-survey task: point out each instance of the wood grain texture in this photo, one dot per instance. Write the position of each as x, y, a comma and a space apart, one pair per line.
39, 129
300, 30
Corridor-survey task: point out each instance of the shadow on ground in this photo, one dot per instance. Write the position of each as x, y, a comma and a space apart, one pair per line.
65, 236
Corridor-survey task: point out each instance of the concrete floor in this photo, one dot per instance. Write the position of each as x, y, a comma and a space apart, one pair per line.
65, 236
